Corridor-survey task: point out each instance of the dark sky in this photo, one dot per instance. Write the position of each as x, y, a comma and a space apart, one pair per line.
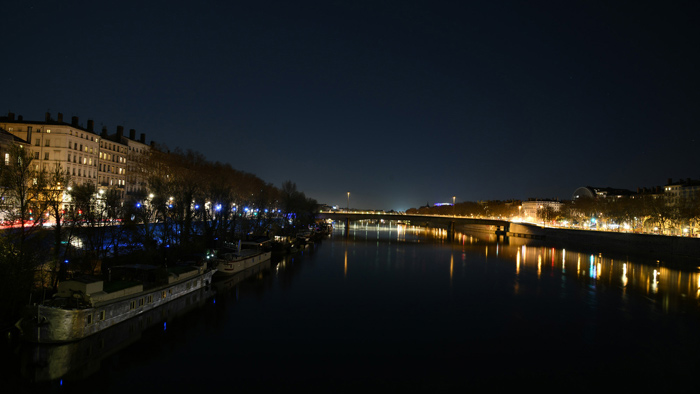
399, 102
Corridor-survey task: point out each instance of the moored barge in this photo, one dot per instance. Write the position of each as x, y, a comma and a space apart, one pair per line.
87, 305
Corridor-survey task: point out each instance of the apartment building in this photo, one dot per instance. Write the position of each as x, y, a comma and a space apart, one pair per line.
137, 155
682, 190
54, 143
112, 165
109, 161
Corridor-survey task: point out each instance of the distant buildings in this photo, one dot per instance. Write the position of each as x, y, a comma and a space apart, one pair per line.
673, 192
600, 192
683, 189
531, 207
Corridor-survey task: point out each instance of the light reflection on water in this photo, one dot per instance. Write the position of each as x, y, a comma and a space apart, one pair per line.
406, 308
672, 289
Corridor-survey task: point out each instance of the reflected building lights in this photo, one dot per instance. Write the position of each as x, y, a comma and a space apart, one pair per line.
670, 288
552, 252
563, 261
578, 265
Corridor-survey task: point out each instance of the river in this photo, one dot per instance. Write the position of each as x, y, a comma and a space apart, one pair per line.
397, 308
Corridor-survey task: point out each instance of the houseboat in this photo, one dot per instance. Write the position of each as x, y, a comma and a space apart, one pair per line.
85, 306
246, 255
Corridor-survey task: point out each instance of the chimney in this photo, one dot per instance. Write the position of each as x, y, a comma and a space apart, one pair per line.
48, 116
10, 116
143, 138
120, 133
104, 132
60, 117
20, 118
74, 121
91, 125
670, 181
132, 134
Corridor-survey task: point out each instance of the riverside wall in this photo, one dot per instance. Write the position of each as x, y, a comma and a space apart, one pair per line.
627, 243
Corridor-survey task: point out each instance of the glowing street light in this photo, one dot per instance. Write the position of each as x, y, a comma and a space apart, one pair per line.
348, 201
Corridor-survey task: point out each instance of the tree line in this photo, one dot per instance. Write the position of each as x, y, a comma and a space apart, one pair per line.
53, 225
658, 213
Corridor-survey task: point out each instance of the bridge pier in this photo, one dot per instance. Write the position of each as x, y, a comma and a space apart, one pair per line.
347, 227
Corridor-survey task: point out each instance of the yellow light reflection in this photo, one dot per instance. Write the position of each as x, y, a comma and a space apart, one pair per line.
517, 264
539, 265
345, 272
578, 265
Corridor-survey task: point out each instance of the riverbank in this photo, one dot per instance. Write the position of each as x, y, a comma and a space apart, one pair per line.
684, 249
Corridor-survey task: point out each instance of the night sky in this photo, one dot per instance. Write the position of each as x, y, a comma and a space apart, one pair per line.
399, 102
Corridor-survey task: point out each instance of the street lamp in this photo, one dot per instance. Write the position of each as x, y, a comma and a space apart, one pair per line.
348, 201
453, 205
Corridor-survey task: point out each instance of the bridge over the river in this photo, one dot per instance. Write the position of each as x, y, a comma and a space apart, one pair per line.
449, 222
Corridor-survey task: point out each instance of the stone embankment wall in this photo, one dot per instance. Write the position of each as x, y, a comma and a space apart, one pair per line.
639, 244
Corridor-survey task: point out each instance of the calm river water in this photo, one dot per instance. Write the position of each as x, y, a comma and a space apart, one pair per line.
400, 309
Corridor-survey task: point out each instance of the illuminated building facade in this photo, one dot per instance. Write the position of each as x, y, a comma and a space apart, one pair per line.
103, 160
530, 207
682, 190
57, 143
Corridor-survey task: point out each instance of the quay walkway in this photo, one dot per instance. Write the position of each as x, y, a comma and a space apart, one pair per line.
449, 222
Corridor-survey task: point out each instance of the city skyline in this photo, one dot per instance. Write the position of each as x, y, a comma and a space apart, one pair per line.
399, 103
